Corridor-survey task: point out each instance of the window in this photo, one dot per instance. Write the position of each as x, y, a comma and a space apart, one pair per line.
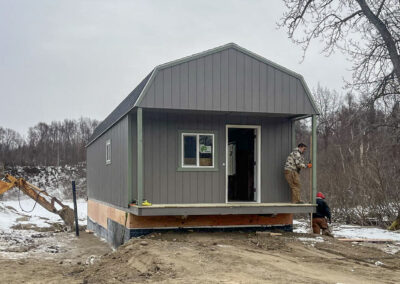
108, 152
197, 150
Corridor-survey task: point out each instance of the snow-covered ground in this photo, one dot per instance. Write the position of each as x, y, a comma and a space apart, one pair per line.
301, 226
36, 231
12, 213
350, 231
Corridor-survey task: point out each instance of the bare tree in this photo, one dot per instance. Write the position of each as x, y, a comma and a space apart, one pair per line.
329, 104
368, 31
358, 158
10, 142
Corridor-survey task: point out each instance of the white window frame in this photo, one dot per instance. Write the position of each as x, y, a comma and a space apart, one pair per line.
197, 166
108, 152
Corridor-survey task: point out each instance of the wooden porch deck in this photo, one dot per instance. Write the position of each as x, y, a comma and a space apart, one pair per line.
220, 209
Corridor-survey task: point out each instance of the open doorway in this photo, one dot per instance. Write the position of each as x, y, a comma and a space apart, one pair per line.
242, 164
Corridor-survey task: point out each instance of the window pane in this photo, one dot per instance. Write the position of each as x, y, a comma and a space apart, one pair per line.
189, 150
206, 150
108, 151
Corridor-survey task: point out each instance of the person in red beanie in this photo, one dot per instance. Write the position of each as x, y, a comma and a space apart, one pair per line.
320, 217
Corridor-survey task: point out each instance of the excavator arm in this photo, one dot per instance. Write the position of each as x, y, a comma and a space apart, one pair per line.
40, 196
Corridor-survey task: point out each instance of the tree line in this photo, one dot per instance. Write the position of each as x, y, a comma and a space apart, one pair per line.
55, 144
358, 156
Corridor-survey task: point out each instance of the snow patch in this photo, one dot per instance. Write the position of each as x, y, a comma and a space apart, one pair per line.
352, 231
312, 240
12, 210
301, 226
391, 248
17, 243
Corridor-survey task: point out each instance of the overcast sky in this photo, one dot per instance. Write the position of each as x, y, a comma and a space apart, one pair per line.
67, 59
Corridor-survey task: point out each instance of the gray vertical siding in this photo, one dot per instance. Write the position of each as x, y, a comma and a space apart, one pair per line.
227, 80
109, 183
228, 85
164, 184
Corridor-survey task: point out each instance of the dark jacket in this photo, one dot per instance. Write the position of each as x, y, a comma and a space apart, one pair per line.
322, 210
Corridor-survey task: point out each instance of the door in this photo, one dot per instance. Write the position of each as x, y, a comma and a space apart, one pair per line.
242, 163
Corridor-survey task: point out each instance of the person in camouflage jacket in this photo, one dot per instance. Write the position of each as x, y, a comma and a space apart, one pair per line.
294, 163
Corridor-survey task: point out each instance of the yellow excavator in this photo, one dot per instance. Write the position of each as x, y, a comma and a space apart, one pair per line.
40, 196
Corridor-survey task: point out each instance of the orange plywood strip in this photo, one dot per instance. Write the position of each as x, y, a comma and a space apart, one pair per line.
99, 213
207, 220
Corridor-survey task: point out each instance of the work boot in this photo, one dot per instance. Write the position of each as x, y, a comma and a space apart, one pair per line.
326, 232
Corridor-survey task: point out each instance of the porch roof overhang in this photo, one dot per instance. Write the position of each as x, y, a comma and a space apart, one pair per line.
220, 209
289, 116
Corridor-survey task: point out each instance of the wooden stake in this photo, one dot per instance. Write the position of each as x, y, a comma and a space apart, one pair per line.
75, 209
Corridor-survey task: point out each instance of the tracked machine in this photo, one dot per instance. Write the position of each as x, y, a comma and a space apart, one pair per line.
40, 196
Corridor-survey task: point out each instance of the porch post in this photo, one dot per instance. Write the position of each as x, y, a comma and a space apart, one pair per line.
293, 134
139, 156
130, 163
314, 158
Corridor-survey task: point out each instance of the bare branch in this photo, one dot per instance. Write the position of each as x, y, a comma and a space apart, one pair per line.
368, 32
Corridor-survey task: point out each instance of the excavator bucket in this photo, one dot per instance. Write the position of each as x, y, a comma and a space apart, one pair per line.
67, 214
5, 186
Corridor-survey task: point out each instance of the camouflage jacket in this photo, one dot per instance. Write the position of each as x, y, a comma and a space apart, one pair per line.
295, 161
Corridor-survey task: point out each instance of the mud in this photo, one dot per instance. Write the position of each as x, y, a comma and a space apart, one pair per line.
206, 258
47, 257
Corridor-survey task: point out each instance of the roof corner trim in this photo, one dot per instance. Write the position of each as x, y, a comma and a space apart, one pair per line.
308, 93
146, 87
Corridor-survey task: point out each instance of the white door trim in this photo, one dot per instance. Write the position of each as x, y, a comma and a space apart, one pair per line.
258, 160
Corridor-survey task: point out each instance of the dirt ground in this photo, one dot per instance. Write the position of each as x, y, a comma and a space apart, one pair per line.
193, 257
45, 257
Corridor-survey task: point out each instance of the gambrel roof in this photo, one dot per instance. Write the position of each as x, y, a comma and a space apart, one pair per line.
228, 78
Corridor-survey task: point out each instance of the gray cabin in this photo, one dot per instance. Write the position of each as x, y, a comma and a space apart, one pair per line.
199, 143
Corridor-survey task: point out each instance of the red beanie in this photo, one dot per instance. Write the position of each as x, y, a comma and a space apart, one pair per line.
320, 195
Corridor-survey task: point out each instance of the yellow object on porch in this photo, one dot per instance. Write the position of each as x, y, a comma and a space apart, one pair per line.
146, 203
